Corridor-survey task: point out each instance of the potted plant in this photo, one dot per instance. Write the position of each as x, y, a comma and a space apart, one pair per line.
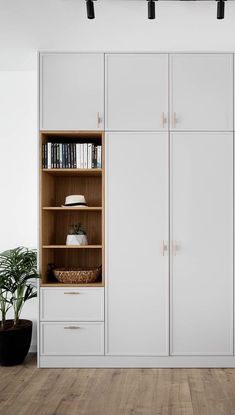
18, 268
76, 235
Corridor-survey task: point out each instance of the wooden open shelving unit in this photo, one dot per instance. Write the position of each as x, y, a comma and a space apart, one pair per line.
55, 185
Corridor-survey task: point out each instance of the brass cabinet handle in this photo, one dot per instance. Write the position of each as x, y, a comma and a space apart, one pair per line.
99, 119
71, 327
164, 247
175, 248
174, 119
71, 292
164, 120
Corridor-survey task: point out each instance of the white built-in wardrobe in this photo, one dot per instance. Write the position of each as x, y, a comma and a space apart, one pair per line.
168, 298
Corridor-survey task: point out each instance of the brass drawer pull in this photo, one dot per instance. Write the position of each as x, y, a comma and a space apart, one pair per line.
71, 293
71, 327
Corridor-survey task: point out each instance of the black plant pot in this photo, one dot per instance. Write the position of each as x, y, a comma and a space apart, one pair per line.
15, 342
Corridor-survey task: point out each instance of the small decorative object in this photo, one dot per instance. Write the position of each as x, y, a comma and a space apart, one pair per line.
76, 235
77, 275
18, 269
75, 200
49, 272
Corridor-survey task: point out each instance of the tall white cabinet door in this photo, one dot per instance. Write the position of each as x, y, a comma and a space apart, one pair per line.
201, 92
136, 92
202, 248
71, 91
136, 228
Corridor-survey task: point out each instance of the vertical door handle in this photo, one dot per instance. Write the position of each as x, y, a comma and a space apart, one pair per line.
174, 120
164, 248
164, 120
175, 248
99, 119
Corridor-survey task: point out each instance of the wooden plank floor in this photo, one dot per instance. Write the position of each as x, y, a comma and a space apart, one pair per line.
26, 390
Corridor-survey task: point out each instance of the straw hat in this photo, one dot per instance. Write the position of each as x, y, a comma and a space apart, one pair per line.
75, 200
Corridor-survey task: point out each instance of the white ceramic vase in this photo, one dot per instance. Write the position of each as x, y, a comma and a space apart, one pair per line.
76, 240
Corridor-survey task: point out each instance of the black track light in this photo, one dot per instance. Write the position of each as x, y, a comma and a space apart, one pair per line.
90, 9
151, 9
220, 9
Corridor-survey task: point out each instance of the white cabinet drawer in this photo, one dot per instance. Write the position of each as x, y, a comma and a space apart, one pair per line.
72, 304
72, 338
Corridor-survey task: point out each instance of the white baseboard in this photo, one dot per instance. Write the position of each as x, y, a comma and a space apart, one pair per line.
136, 362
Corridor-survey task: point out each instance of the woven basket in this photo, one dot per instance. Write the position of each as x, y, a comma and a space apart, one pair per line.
77, 276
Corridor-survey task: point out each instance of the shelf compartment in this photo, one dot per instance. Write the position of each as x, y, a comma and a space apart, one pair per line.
56, 188
56, 226
69, 258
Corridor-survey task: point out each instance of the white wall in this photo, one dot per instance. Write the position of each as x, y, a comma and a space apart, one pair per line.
121, 25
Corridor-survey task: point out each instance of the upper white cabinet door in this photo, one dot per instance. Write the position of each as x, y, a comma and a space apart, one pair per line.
72, 91
202, 249
136, 226
201, 92
136, 92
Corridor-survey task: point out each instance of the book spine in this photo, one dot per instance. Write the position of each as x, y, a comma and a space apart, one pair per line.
95, 151
43, 156
89, 155
99, 157
60, 159
85, 155
74, 156
93, 156
57, 156
82, 156
48, 156
66, 155
78, 156
52, 155
63, 157
72, 160
69, 156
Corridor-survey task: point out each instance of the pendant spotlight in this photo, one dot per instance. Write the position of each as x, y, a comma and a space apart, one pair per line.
90, 9
220, 9
151, 9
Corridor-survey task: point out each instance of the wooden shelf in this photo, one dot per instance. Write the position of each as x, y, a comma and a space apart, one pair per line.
73, 208
58, 284
72, 246
72, 134
73, 172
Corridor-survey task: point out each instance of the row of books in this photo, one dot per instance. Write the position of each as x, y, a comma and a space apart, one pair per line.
71, 156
